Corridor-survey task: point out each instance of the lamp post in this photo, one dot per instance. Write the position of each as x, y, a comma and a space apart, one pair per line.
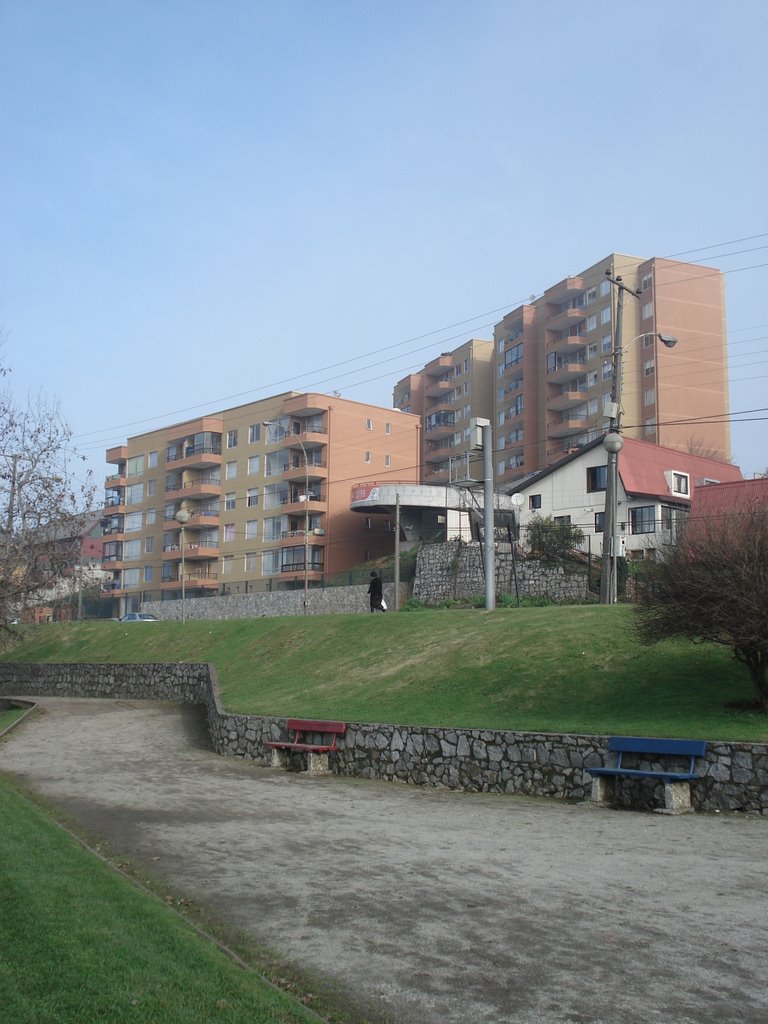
182, 517
613, 443
289, 430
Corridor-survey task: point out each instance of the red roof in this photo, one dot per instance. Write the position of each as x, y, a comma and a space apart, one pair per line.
642, 466
727, 498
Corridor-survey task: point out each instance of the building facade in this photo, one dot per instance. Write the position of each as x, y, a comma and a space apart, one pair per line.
259, 487
553, 363
446, 394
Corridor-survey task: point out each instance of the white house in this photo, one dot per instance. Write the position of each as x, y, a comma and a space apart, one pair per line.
655, 488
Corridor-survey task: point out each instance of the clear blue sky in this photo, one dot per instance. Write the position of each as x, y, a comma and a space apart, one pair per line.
209, 202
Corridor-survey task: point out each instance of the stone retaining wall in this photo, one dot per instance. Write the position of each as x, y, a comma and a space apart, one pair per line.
328, 601
454, 571
734, 775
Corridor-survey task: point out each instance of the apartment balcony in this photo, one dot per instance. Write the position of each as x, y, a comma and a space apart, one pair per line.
294, 504
439, 366
197, 457
568, 288
115, 480
440, 454
440, 387
565, 400
315, 471
566, 369
201, 520
563, 318
196, 489
194, 580
115, 503
297, 538
315, 570
564, 428
567, 344
111, 563
437, 476
117, 455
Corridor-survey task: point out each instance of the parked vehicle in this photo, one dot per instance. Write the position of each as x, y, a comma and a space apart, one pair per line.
139, 617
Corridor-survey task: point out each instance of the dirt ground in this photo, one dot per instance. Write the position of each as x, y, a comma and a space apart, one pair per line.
431, 907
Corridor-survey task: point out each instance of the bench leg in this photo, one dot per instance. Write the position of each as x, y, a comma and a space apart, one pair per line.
603, 789
280, 759
677, 797
317, 764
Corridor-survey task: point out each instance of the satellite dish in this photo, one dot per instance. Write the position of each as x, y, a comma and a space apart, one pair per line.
518, 500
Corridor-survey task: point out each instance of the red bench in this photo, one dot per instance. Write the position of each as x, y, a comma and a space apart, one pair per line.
303, 731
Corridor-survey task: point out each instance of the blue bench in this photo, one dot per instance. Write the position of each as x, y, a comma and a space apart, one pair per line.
677, 781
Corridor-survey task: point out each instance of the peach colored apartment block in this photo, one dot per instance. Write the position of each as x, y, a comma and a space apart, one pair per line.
552, 361
249, 478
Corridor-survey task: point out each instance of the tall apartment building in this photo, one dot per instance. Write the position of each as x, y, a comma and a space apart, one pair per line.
449, 391
553, 367
242, 476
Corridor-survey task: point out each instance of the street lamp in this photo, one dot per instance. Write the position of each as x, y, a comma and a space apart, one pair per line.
182, 517
613, 443
289, 430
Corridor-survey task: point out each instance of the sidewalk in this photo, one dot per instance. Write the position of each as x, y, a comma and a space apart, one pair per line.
432, 907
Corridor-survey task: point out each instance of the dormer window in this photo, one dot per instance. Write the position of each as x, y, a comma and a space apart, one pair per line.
681, 484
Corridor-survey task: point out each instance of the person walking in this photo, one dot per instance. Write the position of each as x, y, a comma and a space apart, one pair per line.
375, 593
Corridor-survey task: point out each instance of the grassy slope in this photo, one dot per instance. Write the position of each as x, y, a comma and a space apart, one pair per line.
569, 669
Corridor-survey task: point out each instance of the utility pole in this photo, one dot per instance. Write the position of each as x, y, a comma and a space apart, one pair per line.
396, 602
485, 441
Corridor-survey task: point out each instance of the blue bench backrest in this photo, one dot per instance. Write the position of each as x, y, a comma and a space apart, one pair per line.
650, 745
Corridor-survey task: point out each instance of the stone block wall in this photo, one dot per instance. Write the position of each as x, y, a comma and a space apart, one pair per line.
454, 571
330, 601
734, 775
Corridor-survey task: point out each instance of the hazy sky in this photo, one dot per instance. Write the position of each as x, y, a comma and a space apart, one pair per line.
209, 202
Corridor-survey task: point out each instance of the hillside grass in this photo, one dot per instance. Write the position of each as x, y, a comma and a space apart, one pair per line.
556, 669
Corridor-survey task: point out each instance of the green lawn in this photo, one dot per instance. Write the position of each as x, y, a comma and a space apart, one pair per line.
9, 717
557, 669
80, 944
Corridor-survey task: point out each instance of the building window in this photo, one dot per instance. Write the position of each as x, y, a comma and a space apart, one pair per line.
226, 565
368, 457
251, 529
562, 520
646, 282
387, 428
596, 476
229, 532
599, 521
253, 465
150, 516
230, 471
648, 340
607, 343
149, 545
500, 467
649, 396
387, 460
648, 368
152, 460
607, 370
131, 550
131, 577
135, 466
534, 502
643, 519
270, 562
590, 295
132, 522
369, 424
254, 433
368, 523
647, 311
681, 483
605, 315
591, 322
134, 494
229, 501
605, 287
251, 561
151, 488
253, 497
231, 439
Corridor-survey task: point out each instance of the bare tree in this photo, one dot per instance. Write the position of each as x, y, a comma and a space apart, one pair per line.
42, 506
712, 585
698, 446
